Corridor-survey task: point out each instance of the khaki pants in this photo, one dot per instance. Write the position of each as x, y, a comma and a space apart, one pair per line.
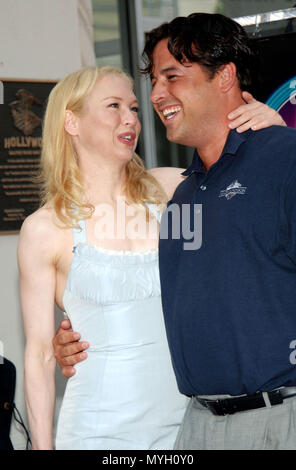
267, 428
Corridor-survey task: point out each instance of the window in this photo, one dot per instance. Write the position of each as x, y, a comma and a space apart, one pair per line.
107, 32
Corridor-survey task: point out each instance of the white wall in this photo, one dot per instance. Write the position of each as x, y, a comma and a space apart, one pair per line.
39, 39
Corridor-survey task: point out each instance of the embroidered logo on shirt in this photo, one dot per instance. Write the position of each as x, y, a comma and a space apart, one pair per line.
234, 188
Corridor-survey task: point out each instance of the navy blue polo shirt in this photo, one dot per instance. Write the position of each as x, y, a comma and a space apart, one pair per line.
230, 306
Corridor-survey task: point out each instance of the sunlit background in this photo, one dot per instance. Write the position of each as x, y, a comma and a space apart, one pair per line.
107, 21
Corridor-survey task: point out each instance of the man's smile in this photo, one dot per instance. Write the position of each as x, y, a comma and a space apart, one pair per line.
169, 112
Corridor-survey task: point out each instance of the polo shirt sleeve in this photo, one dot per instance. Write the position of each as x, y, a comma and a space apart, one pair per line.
288, 219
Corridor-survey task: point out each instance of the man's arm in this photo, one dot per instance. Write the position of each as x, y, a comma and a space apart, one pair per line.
68, 350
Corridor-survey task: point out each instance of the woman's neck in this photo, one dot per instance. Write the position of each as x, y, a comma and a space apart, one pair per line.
103, 182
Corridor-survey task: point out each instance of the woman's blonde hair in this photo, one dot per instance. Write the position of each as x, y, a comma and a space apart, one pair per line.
60, 176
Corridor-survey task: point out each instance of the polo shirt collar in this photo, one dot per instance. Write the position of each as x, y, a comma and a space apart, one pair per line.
232, 144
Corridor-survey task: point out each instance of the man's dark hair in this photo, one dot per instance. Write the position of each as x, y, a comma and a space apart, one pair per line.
211, 40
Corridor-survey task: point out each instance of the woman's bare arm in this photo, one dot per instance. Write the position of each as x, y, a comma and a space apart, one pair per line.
37, 285
253, 115
169, 178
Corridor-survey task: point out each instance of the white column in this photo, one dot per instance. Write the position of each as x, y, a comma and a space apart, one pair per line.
86, 33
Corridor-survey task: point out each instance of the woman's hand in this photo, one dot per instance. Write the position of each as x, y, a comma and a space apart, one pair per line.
253, 115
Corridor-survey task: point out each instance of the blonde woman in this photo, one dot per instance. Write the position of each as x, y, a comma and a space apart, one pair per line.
98, 197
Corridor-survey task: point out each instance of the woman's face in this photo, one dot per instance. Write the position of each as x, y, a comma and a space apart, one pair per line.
109, 126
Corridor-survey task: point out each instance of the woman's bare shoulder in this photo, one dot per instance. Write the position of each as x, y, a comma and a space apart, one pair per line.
39, 222
169, 178
40, 230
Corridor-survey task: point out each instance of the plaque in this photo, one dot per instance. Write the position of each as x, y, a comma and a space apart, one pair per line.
21, 117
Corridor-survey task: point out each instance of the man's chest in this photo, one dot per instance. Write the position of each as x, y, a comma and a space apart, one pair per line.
234, 205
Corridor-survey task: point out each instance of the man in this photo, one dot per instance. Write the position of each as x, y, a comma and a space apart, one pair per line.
228, 306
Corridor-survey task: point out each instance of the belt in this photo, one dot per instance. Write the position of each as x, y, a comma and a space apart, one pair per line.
228, 406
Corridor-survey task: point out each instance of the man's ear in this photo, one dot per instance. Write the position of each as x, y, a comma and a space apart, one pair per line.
71, 123
227, 77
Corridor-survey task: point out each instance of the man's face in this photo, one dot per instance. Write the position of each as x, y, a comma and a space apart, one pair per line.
183, 96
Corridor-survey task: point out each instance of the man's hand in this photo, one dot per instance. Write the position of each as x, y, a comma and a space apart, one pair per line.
253, 115
67, 349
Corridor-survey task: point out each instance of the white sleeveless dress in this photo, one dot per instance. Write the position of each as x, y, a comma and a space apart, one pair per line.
124, 396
